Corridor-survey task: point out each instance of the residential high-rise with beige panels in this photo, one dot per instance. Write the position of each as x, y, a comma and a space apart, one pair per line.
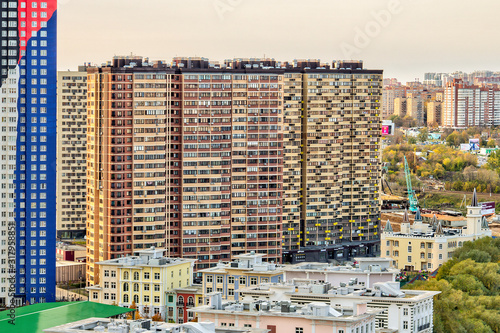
71, 153
332, 161
212, 161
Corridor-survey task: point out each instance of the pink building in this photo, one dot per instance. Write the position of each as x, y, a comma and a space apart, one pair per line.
283, 317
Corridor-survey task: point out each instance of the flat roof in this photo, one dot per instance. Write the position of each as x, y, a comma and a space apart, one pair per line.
37, 317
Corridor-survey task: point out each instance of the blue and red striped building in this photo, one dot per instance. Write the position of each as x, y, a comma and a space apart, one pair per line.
28, 109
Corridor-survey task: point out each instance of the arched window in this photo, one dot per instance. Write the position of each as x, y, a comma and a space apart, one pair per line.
125, 275
180, 300
190, 300
125, 298
136, 276
125, 286
136, 287
136, 299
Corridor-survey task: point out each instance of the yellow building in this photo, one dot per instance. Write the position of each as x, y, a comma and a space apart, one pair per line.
143, 279
423, 246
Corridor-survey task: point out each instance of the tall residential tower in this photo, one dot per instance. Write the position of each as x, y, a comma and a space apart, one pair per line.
28, 141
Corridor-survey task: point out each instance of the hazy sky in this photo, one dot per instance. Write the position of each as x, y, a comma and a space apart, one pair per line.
405, 38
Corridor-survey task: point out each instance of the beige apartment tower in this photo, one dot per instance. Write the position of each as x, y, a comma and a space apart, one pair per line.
71, 153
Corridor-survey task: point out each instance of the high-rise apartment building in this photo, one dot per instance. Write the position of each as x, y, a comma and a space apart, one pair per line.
28, 139
468, 105
208, 161
187, 158
71, 153
332, 160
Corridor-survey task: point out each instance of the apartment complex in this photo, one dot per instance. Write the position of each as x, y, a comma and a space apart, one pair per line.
426, 246
144, 279
208, 160
28, 111
71, 152
468, 105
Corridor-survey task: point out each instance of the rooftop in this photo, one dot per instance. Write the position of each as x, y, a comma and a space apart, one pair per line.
37, 317
248, 262
363, 265
284, 308
350, 290
144, 326
151, 257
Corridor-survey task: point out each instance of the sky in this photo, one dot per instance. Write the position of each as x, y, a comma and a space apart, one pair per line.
405, 38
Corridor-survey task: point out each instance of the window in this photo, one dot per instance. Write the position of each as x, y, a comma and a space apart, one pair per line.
106, 296
299, 330
440, 256
409, 249
230, 292
125, 286
209, 278
146, 298
209, 290
106, 273
157, 276
136, 287
125, 275
409, 259
157, 287
405, 325
125, 298
136, 276
230, 279
405, 312
440, 246
243, 280
113, 273
253, 281
146, 287
219, 278
157, 299
146, 275
95, 295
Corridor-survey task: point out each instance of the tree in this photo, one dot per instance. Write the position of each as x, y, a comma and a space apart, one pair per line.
412, 140
494, 161
423, 134
130, 315
157, 317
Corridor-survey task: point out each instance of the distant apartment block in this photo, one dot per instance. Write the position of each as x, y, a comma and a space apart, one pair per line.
434, 113
71, 153
468, 105
390, 94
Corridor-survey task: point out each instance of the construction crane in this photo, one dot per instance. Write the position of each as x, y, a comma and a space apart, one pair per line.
412, 198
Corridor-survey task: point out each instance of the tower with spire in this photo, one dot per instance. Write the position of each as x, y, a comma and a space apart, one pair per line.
474, 216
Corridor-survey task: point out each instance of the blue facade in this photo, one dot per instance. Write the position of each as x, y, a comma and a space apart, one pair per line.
36, 163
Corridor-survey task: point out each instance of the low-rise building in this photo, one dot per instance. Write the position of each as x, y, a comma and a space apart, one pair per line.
285, 317
184, 299
247, 270
402, 310
367, 271
143, 279
426, 246
143, 325
70, 252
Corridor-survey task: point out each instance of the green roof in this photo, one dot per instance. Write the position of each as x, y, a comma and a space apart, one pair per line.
37, 317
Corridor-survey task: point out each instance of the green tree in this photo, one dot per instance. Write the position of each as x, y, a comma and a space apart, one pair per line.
491, 143
412, 140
